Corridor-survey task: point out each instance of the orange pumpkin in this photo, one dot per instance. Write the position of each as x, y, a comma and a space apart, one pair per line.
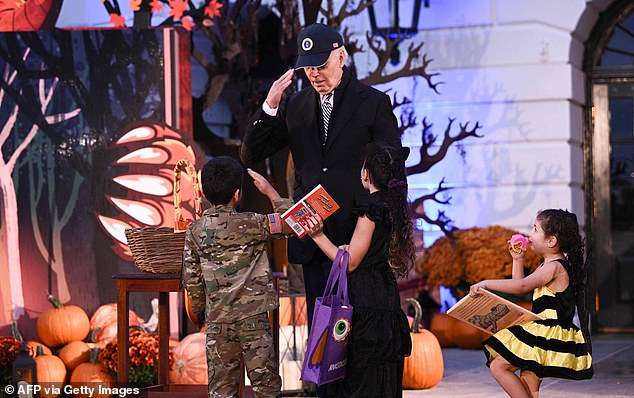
90, 374
190, 360
62, 324
32, 346
74, 353
52, 372
103, 323
465, 335
107, 314
424, 367
441, 326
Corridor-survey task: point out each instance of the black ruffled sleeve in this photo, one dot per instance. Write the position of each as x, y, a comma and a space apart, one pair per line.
375, 209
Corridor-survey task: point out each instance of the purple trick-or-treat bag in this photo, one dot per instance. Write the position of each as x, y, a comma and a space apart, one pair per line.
326, 350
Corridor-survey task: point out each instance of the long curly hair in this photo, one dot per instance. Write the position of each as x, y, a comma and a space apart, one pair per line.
386, 167
563, 225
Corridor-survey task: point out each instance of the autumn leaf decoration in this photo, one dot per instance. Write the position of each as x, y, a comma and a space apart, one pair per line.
188, 13
156, 6
178, 8
213, 9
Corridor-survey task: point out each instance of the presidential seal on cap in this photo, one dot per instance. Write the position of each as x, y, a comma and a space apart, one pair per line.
314, 44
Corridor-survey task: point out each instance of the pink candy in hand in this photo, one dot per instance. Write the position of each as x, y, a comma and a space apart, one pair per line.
518, 243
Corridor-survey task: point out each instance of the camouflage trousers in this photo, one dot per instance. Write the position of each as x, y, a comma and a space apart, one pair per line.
251, 340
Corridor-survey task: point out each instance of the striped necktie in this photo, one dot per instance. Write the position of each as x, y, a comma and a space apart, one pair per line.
326, 108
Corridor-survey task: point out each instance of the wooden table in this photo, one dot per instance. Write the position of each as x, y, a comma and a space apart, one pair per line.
162, 284
152, 283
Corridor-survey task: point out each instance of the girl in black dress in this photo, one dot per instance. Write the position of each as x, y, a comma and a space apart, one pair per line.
381, 249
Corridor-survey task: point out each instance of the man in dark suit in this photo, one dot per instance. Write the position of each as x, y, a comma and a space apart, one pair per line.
326, 126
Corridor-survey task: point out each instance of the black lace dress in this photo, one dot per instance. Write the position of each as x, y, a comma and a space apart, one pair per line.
380, 332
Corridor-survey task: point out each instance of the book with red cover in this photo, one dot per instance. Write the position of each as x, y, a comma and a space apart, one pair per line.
317, 201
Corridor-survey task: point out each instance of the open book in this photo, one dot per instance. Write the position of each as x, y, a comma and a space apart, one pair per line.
317, 201
490, 312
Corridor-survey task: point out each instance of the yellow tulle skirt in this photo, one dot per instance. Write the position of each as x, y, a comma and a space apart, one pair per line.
544, 347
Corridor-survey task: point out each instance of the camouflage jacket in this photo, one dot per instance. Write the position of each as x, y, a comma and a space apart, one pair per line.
226, 270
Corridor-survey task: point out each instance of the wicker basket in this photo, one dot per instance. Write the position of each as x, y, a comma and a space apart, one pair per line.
156, 250
160, 250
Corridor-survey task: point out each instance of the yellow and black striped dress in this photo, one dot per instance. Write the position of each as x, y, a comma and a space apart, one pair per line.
553, 347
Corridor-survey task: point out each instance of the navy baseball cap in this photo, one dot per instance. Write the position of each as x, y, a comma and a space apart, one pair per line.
314, 44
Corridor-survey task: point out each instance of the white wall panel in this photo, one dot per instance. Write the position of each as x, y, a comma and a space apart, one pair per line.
496, 84
496, 45
456, 13
513, 207
562, 14
502, 122
503, 165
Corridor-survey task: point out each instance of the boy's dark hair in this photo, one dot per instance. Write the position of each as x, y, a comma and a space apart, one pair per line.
220, 177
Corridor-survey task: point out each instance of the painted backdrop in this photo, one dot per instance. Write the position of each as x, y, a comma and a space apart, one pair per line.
89, 138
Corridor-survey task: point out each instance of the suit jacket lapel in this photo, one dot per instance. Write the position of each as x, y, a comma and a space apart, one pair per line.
311, 119
347, 101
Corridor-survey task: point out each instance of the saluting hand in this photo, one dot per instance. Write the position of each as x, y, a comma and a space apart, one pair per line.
277, 89
263, 185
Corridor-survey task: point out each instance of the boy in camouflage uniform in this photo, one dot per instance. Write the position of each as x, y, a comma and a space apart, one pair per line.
228, 277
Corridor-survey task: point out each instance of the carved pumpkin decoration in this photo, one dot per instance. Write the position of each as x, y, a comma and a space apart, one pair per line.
425, 366
74, 353
190, 360
90, 374
441, 326
62, 324
51, 372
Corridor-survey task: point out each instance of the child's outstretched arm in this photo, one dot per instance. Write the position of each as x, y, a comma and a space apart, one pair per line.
279, 205
358, 247
263, 185
540, 277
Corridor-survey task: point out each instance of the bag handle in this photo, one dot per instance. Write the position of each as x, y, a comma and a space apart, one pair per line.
342, 286
334, 273
184, 165
339, 275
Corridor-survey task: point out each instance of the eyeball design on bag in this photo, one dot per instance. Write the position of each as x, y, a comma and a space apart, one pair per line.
341, 329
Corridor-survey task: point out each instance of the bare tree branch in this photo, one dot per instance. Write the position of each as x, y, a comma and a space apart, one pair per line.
415, 64
441, 220
426, 159
408, 120
335, 21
